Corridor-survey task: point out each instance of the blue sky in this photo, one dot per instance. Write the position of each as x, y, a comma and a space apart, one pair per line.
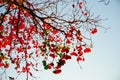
103, 62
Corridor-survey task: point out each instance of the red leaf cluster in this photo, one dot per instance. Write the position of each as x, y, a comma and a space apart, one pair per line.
94, 30
87, 50
28, 33
57, 71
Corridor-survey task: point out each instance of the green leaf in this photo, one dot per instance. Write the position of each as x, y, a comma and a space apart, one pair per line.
44, 43
6, 62
6, 58
44, 63
46, 32
46, 67
59, 54
6, 2
18, 66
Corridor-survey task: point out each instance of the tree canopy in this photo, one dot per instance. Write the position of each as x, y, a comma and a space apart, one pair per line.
44, 34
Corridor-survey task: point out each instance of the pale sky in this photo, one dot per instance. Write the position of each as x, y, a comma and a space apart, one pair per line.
104, 61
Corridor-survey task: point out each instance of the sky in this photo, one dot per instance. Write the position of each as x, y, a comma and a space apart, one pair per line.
103, 62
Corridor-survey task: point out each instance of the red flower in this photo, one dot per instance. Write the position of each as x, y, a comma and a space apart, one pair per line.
87, 50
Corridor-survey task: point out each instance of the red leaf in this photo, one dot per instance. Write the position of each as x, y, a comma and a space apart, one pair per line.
73, 54
24, 69
29, 47
80, 5
52, 55
65, 49
87, 50
36, 69
69, 35
42, 34
58, 39
51, 38
55, 31
79, 38
68, 42
79, 48
66, 57
57, 71
22, 26
58, 66
80, 53
18, 49
18, 71
30, 73
1, 28
7, 65
27, 64
1, 64
79, 58
72, 29
47, 26
26, 13
94, 30
51, 64
85, 13
61, 62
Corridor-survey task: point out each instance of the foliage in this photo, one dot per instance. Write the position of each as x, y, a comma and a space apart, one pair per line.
37, 34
